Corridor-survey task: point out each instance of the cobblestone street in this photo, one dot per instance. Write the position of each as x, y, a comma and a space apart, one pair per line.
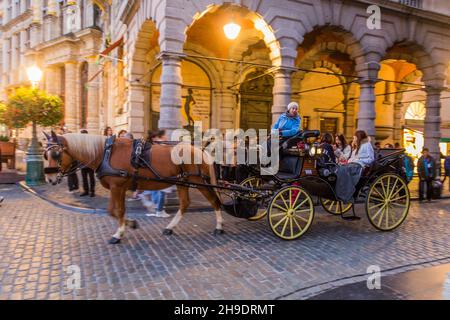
38, 242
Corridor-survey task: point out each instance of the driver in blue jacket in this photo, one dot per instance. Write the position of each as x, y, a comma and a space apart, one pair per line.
288, 124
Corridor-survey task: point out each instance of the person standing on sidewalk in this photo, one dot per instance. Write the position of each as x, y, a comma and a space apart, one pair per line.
426, 168
87, 174
447, 169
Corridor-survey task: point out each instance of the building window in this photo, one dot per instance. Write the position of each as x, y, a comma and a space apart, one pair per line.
83, 94
17, 7
44, 7
412, 3
416, 111
9, 10
27, 37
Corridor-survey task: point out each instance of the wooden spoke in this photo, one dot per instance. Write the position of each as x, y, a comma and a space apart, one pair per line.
285, 224
389, 211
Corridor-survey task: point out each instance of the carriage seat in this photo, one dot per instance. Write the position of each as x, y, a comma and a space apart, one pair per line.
301, 136
290, 167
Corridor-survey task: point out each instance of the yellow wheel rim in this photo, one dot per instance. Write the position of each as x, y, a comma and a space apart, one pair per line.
335, 207
387, 202
290, 213
255, 182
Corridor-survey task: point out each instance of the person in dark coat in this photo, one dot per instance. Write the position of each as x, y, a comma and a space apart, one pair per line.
88, 178
447, 169
327, 148
426, 168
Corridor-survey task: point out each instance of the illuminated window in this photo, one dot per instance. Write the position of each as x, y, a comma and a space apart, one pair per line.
415, 111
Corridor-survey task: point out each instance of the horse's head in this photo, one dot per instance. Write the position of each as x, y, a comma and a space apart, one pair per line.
59, 160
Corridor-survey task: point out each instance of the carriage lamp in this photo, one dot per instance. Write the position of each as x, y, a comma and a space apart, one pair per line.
315, 150
231, 30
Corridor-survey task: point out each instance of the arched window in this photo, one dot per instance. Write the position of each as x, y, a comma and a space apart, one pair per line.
415, 111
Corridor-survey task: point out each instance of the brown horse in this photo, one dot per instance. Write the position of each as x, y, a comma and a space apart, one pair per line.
88, 149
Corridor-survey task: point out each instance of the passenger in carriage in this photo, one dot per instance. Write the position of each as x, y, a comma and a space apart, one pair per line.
348, 175
327, 148
342, 150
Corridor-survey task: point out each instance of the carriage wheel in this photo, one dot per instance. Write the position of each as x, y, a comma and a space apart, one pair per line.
252, 182
290, 212
387, 202
335, 207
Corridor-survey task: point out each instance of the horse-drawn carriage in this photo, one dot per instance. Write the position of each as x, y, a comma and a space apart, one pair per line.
287, 197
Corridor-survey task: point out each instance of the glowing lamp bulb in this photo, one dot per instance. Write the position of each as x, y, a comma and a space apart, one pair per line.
34, 74
232, 30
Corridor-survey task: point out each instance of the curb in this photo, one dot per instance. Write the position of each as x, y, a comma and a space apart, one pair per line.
78, 209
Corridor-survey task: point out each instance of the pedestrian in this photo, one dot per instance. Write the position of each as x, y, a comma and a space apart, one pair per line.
388, 146
409, 168
397, 145
72, 177
342, 149
122, 133
447, 168
426, 168
108, 132
87, 174
158, 197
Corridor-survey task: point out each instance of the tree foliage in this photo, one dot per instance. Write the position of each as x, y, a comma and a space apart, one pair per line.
27, 105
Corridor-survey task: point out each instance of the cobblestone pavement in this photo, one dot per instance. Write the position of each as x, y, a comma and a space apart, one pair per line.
38, 242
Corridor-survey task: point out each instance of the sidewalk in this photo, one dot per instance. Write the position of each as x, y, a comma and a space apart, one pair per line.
431, 283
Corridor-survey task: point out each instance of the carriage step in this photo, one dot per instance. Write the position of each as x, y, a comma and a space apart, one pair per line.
350, 218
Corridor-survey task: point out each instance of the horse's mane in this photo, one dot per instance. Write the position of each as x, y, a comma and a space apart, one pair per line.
88, 147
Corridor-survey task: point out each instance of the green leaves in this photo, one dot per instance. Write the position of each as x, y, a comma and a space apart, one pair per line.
27, 105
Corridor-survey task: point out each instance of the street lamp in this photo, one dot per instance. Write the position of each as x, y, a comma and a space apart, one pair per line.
35, 163
34, 75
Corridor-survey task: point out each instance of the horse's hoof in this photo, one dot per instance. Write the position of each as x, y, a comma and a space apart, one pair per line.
218, 232
167, 232
133, 224
114, 240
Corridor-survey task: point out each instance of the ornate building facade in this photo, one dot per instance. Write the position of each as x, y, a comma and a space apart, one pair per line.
142, 64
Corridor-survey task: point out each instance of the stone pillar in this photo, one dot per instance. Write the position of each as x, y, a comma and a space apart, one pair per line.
93, 103
432, 131
398, 130
281, 92
366, 113
227, 108
71, 96
51, 80
170, 100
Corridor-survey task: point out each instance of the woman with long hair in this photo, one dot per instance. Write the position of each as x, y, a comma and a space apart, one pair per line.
348, 175
362, 153
343, 150
108, 132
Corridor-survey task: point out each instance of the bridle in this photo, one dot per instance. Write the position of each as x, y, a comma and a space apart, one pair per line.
57, 149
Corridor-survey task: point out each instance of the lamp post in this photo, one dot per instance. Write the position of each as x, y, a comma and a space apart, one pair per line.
35, 163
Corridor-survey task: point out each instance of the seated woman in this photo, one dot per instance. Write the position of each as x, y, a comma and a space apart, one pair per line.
342, 149
348, 175
288, 124
327, 149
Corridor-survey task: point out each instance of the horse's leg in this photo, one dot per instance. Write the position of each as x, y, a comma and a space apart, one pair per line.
118, 197
183, 195
211, 196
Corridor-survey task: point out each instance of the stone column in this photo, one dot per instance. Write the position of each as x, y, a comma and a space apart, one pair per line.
51, 79
432, 132
366, 113
281, 92
170, 100
93, 96
71, 91
228, 106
